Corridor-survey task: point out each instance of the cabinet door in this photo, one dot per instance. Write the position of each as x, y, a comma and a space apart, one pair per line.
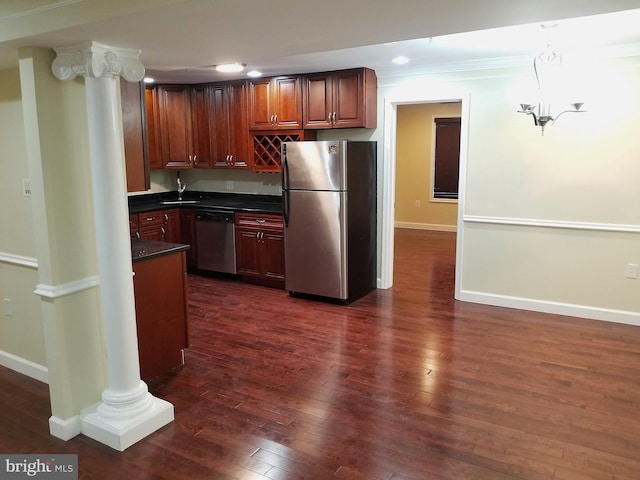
340, 99
172, 225
260, 104
220, 125
133, 225
200, 123
161, 315
247, 252
132, 99
272, 255
239, 139
175, 125
287, 102
275, 104
348, 99
154, 148
318, 101
154, 232
188, 235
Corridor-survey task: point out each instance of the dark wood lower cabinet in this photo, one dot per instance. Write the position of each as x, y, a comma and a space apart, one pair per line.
161, 312
260, 248
188, 235
157, 225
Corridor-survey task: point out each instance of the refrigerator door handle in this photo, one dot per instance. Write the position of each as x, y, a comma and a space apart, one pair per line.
285, 186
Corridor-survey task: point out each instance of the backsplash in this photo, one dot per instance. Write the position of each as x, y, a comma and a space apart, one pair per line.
217, 180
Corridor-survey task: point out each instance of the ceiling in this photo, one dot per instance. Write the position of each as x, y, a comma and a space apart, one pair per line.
176, 37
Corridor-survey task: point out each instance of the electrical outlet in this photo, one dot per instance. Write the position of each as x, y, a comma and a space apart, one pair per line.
229, 184
26, 187
8, 307
418, 204
631, 271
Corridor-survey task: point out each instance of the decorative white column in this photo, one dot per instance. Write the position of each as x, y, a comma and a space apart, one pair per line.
128, 412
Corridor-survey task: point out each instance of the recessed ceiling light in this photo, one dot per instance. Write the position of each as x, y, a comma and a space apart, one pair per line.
230, 67
254, 73
401, 60
148, 80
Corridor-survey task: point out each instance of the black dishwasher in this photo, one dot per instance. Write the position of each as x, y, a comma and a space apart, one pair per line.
215, 237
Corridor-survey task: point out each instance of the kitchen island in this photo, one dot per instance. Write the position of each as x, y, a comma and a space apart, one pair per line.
161, 305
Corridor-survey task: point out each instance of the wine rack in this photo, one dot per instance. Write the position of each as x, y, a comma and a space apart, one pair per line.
266, 148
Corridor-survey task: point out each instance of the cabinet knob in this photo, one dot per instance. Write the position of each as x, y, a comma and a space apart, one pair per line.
195, 159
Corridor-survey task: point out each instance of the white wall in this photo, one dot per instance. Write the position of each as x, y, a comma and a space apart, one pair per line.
548, 223
21, 335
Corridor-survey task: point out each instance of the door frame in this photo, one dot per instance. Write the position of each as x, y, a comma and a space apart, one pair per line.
408, 96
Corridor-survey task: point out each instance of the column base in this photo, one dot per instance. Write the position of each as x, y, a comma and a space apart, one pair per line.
120, 434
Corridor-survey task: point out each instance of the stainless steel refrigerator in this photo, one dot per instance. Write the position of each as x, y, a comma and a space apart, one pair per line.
329, 203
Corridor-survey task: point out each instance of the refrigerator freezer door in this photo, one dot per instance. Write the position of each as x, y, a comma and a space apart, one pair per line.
315, 244
314, 165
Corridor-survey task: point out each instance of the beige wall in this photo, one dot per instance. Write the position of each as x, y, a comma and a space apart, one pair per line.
414, 168
21, 335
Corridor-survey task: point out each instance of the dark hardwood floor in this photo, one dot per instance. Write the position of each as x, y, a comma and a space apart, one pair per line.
403, 384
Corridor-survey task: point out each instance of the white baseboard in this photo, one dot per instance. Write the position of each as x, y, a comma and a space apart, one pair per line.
426, 226
24, 366
64, 429
571, 310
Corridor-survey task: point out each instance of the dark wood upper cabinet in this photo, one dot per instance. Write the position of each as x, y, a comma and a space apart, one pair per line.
201, 153
174, 103
133, 131
340, 99
275, 103
229, 127
152, 139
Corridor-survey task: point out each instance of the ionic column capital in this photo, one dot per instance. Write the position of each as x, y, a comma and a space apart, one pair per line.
91, 59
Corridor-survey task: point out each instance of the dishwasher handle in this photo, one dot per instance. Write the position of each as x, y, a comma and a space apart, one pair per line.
221, 217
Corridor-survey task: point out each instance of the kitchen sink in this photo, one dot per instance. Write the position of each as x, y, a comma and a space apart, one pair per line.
179, 202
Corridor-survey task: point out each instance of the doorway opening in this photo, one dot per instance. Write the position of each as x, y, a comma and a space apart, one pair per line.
388, 188
427, 164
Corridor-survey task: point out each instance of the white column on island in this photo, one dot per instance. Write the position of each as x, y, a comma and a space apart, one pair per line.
128, 412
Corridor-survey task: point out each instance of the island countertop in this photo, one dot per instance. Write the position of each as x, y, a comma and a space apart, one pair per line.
144, 249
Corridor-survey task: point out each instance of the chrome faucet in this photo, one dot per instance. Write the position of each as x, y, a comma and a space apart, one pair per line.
181, 188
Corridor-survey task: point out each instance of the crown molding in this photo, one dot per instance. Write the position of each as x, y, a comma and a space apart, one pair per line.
500, 63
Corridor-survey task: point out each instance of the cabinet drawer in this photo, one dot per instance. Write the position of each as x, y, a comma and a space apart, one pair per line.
273, 222
150, 218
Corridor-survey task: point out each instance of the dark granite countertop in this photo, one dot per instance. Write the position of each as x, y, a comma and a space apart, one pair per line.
145, 249
226, 201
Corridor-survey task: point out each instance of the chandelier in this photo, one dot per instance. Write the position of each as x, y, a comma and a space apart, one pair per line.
546, 65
